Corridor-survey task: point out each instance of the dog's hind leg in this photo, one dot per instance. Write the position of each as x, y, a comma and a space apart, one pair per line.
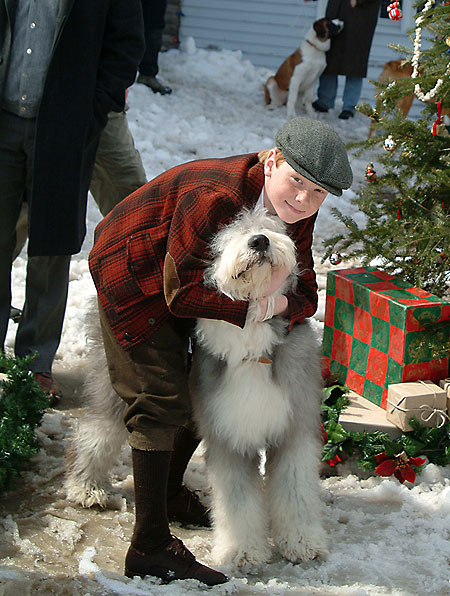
98, 440
292, 475
238, 509
275, 97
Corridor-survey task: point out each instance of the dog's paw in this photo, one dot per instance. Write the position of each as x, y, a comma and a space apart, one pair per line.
245, 560
88, 496
303, 547
291, 113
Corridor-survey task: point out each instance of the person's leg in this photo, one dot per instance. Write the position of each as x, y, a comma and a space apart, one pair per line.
152, 380
185, 443
118, 169
42, 319
326, 93
21, 230
40, 325
150, 473
352, 93
154, 23
13, 174
184, 505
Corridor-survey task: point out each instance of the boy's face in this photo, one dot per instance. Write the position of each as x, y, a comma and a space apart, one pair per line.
288, 194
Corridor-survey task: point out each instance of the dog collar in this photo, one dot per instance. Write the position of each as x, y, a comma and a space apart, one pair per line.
261, 359
314, 46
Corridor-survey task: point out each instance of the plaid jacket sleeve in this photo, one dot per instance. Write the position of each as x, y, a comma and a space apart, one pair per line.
198, 216
303, 302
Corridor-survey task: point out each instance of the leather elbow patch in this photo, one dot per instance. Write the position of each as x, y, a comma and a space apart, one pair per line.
171, 279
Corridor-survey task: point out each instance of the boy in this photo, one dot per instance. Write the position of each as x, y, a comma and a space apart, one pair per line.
147, 263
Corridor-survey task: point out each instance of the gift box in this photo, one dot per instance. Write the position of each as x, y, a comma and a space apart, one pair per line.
374, 333
424, 400
445, 385
361, 415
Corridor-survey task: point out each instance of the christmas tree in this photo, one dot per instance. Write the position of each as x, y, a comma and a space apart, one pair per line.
407, 203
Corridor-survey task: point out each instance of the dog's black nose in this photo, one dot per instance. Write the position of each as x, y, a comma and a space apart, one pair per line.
259, 242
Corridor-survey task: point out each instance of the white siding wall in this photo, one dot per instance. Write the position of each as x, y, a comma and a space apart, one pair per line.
267, 31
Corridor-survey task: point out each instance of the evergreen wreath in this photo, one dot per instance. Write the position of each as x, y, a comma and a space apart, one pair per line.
22, 405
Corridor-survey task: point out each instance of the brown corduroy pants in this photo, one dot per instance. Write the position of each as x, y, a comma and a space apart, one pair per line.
152, 379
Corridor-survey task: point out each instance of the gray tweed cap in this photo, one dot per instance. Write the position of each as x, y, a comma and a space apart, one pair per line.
316, 152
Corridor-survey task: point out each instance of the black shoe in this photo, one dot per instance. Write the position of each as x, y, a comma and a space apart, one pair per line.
153, 84
15, 314
319, 107
186, 508
174, 561
346, 114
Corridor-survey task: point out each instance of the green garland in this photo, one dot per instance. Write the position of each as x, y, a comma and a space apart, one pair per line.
434, 443
22, 405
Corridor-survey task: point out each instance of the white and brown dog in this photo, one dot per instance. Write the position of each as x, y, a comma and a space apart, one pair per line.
299, 73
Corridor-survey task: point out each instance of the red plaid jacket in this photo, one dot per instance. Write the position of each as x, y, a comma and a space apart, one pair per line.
159, 236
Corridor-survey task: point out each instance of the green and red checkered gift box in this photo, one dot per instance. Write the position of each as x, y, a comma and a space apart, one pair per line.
373, 334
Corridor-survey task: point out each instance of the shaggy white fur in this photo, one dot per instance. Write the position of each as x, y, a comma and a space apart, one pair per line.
101, 432
253, 389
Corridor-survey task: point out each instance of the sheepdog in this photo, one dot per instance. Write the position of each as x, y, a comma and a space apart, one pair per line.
256, 395
299, 74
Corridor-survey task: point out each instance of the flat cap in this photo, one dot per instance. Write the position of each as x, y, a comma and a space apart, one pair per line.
314, 150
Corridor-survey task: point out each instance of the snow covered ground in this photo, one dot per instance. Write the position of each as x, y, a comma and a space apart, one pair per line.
385, 538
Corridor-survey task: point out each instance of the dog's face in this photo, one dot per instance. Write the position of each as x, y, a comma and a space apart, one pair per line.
326, 28
244, 253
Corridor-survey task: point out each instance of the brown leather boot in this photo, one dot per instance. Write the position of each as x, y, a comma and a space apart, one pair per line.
173, 561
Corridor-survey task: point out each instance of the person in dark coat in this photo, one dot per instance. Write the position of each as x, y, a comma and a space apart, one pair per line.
154, 12
349, 53
64, 65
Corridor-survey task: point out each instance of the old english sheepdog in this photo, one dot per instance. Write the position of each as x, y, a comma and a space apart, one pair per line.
256, 395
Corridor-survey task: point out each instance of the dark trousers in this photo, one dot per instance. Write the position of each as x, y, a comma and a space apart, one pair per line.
154, 13
47, 278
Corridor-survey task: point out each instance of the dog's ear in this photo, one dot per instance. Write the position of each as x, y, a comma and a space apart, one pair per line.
320, 27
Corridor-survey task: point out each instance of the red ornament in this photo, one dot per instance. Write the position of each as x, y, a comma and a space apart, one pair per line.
438, 120
335, 259
394, 11
399, 466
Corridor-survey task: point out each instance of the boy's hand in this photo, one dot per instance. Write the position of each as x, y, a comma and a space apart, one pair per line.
268, 307
277, 279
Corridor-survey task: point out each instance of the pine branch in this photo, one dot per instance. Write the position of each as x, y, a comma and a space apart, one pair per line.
22, 405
